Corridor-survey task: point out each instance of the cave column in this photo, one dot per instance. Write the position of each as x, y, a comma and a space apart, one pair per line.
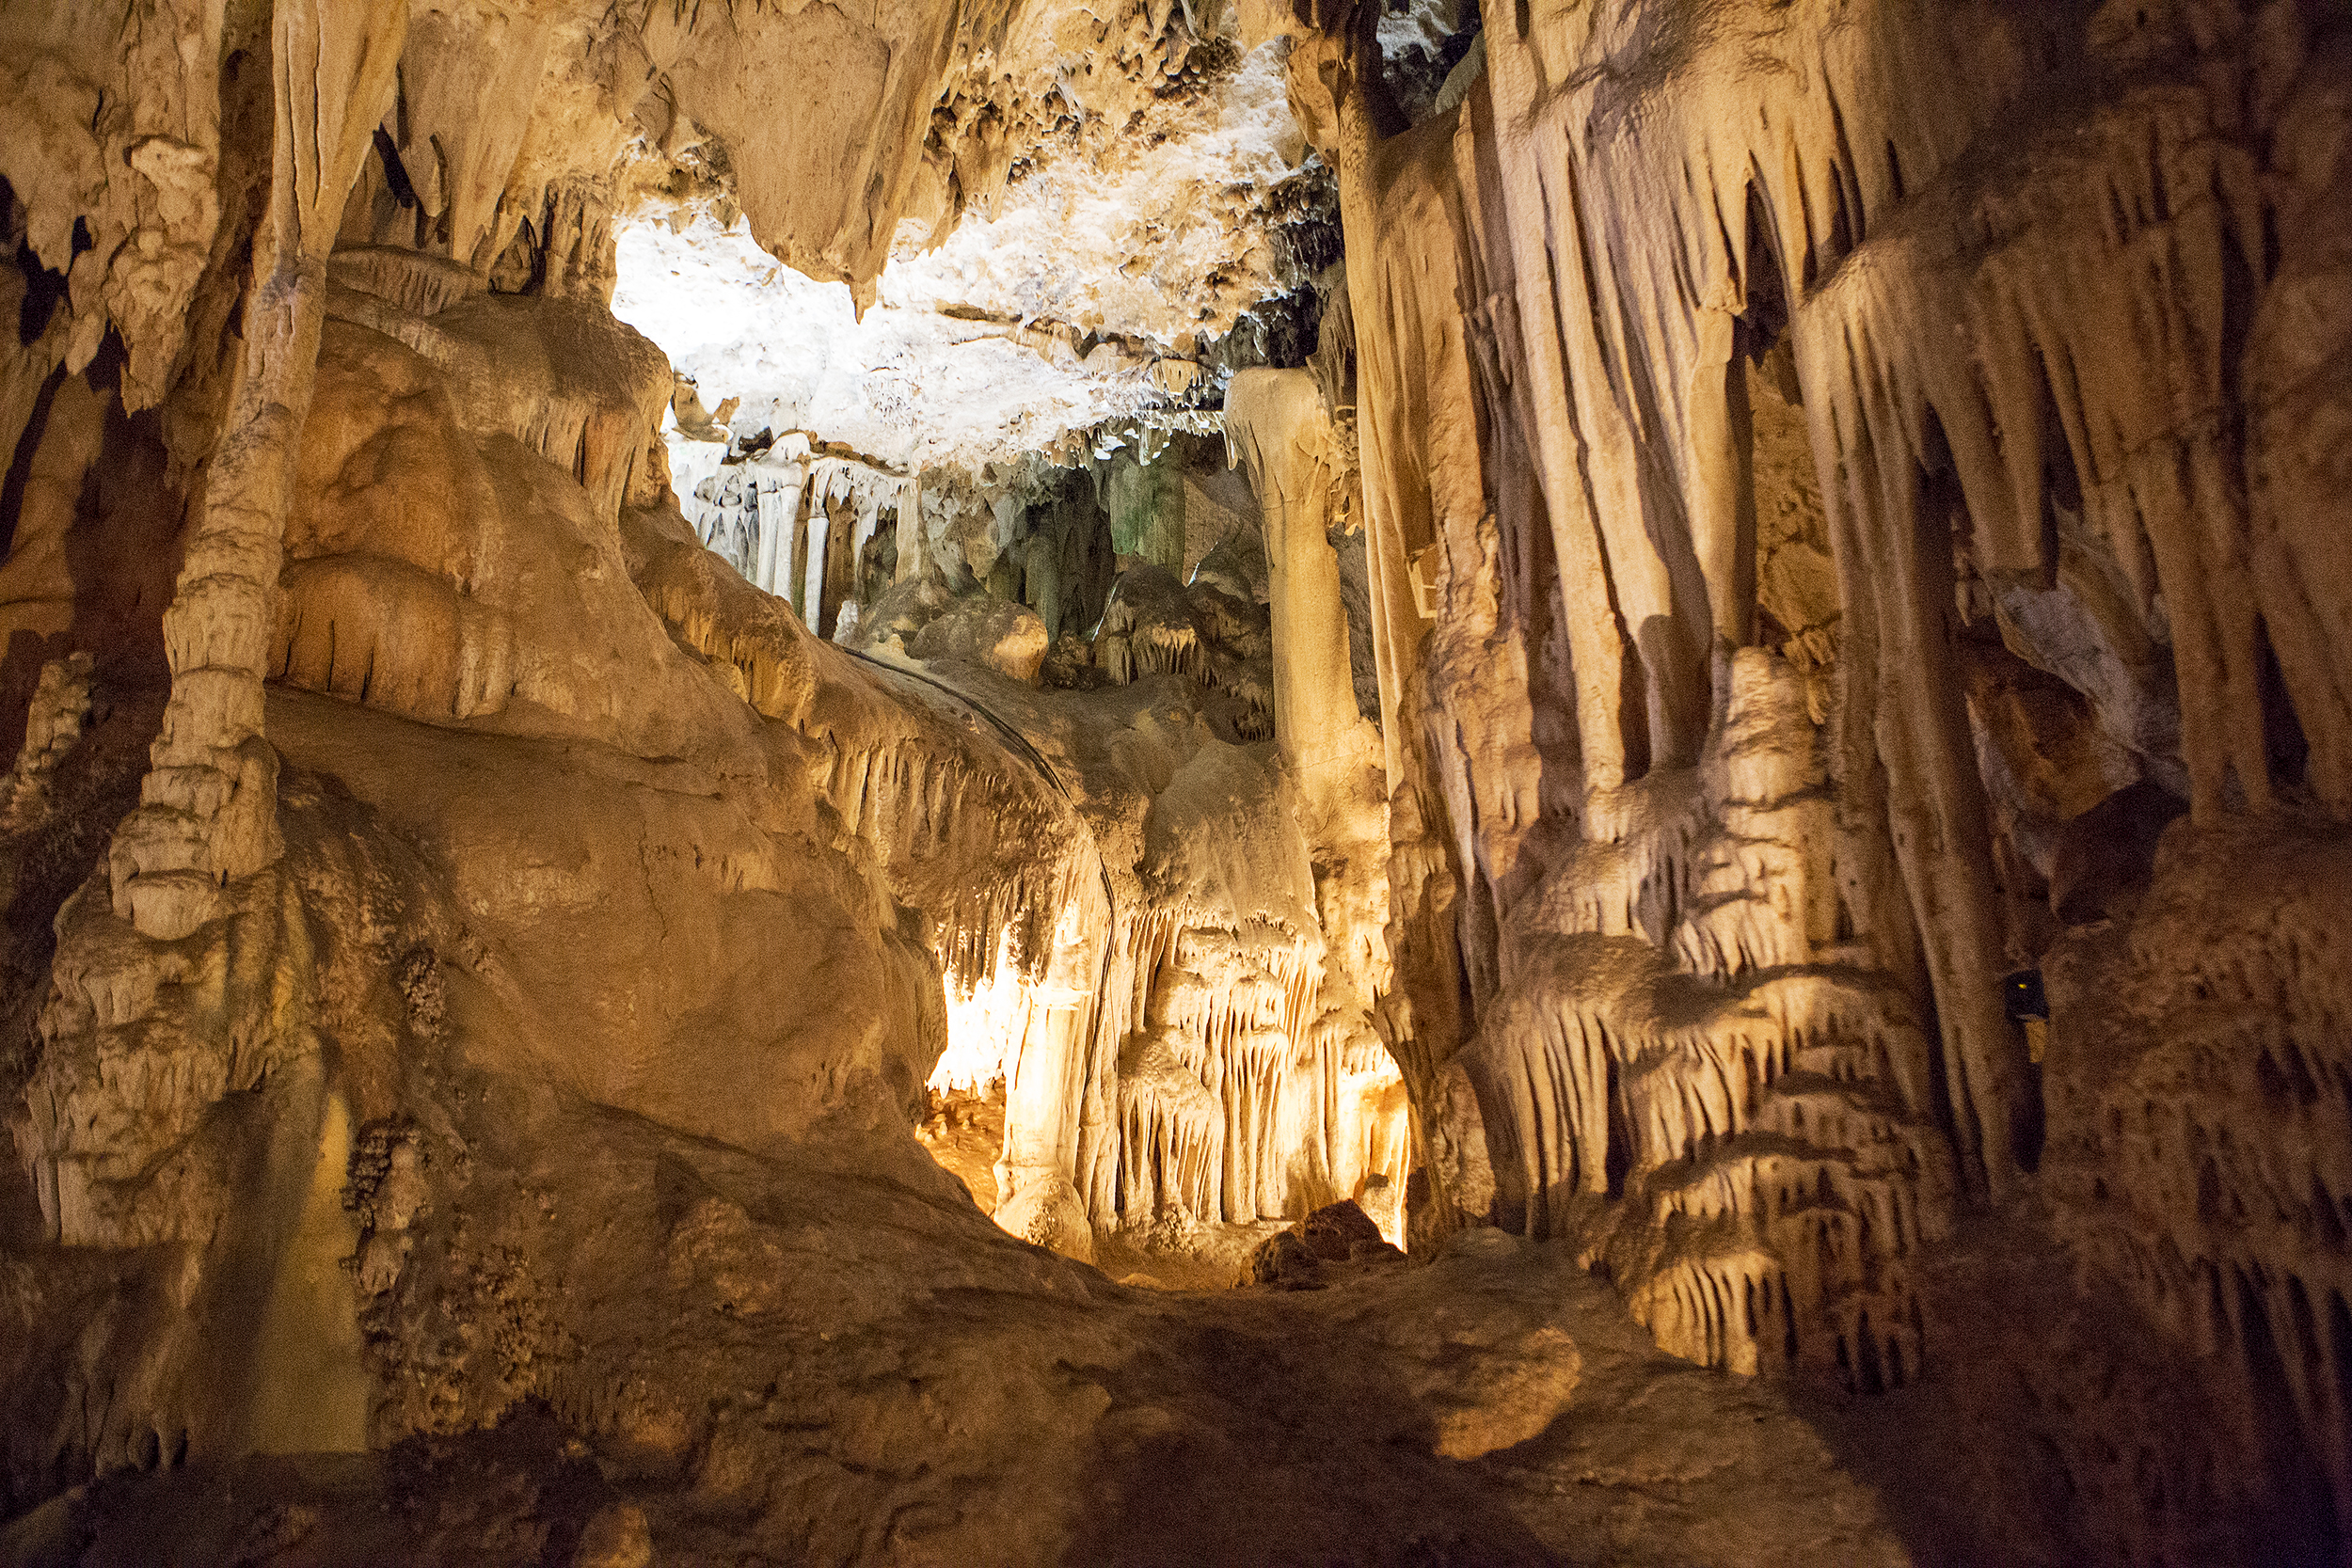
819, 539
1041, 580
1276, 426
1397, 625
207, 815
777, 496
1345, 110
1335, 86
910, 532
1048, 1083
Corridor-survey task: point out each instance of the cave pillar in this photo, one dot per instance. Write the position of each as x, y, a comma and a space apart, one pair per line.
311, 1386
1276, 428
1049, 1081
778, 500
819, 538
208, 806
1722, 512
910, 532
1344, 110
1337, 91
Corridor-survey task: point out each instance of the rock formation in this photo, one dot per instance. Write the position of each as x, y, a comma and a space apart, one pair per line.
786, 782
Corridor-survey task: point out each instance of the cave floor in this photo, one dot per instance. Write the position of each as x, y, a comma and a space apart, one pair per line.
1653, 1461
1203, 1258
763, 1361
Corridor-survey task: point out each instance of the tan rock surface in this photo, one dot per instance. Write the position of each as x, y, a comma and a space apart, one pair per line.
1725, 713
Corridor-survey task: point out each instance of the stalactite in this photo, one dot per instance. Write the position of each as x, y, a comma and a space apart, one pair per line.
1172, 1138
1230, 1011
1153, 625
2037, 376
1153, 650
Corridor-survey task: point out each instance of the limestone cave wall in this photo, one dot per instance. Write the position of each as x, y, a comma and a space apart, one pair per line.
1837, 542
1750, 694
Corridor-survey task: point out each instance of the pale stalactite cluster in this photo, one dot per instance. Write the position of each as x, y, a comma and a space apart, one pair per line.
1205, 1054
800, 525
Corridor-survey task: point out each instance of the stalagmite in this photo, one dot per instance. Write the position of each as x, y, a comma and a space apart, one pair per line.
205, 815
1275, 425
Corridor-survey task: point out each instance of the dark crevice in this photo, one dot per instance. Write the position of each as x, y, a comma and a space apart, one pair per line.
1766, 286
1842, 226
20, 464
2240, 296
2307, 1511
1618, 1162
2284, 745
395, 172
45, 288
2061, 480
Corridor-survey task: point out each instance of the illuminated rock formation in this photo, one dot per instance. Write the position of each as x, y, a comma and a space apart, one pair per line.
1727, 706
1710, 861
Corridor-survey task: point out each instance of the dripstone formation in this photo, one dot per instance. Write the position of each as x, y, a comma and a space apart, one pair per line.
1186, 783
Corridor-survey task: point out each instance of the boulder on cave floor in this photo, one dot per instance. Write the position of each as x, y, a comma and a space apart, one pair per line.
1336, 1241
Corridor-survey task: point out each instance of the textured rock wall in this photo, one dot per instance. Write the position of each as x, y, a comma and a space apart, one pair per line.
1826, 519
337, 344
1824, 492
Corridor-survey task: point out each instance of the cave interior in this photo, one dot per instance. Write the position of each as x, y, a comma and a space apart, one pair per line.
1176, 782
